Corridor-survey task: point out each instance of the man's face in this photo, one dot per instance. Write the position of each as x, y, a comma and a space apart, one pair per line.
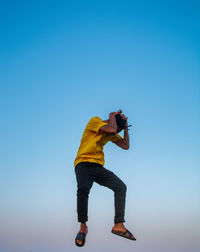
124, 117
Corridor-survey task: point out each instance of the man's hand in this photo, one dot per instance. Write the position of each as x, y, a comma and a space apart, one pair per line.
124, 117
113, 113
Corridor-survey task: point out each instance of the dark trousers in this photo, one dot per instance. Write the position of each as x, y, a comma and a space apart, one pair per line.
86, 174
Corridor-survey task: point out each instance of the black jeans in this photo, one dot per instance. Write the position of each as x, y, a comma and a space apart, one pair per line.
86, 174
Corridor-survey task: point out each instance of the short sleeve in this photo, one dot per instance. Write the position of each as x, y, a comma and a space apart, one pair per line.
115, 138
95, 124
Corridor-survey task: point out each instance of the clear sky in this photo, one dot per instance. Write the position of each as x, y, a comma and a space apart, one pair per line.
63, 62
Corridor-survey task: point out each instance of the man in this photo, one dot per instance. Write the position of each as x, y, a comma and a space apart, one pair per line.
89, 168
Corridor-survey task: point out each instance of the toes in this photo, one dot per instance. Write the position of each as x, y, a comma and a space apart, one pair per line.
79, 242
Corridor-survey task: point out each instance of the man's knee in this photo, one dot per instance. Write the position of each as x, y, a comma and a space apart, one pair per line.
121, 188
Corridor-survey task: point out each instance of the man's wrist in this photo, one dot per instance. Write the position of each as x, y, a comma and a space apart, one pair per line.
113, 114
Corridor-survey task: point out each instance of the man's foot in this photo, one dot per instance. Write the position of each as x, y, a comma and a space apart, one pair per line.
120, 229
83, 229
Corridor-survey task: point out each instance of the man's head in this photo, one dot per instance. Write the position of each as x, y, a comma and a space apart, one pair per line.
121, 122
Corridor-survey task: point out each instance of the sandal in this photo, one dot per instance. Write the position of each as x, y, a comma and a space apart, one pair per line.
80, 236
127, 234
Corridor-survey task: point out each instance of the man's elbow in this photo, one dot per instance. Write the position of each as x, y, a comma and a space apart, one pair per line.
108, 130
112, 132
126, 147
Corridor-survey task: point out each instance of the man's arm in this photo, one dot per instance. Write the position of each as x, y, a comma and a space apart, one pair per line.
111, 128
124, 142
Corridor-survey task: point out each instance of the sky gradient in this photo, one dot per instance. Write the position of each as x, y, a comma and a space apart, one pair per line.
63, 62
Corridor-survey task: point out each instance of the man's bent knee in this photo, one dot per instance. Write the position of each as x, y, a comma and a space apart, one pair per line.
121, 188
124, 187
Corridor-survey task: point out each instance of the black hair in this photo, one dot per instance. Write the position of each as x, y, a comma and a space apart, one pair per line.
120, 122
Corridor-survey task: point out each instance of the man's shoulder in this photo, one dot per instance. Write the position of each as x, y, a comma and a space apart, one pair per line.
95, 123
96, 119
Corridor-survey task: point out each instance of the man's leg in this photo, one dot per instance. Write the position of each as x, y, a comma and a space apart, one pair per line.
84, 184
110, 180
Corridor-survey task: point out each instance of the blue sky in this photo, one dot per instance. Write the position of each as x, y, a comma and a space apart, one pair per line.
63, 62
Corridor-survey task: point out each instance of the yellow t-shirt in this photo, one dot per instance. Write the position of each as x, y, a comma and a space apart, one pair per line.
92, 142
